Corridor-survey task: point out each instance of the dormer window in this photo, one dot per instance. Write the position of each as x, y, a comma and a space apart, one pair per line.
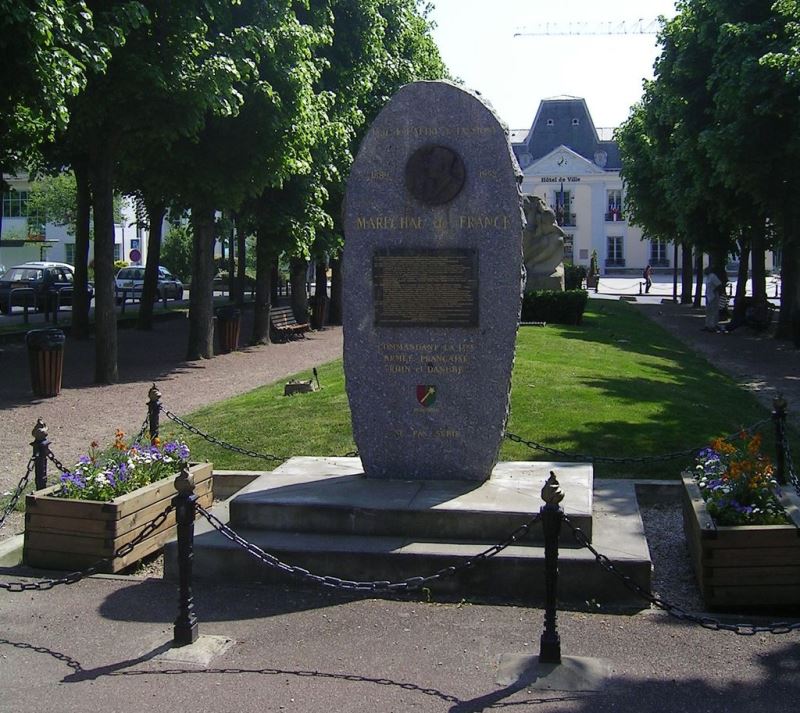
550, 122
576, 122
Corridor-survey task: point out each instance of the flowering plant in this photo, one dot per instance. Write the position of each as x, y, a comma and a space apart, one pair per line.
105, 474
737, 483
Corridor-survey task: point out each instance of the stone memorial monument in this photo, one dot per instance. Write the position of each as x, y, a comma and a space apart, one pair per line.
433, 268
432, 274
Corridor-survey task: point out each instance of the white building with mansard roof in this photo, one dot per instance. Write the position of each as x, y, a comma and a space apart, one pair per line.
575, 168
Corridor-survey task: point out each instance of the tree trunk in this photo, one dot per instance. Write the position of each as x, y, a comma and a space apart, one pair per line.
105, 303
80, 295
155, 216
687, 273
263, 303
759, 272
241, 266
335, 311
790, 272
298, 270
741, 281
236, 281
275, 281
201, 295
698, 264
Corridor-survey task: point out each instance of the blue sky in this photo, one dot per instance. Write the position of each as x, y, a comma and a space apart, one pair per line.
476, 40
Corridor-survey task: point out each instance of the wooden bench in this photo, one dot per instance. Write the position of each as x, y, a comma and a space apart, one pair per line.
285, 326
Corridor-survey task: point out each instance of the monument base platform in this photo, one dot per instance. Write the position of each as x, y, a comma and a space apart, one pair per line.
324, 515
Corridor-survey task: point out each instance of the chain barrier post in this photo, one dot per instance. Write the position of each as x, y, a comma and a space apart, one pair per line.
550, 644
779, 418
185, 631
41, 449
153, 409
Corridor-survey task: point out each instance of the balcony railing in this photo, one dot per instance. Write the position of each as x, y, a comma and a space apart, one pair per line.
566, 221
614, 215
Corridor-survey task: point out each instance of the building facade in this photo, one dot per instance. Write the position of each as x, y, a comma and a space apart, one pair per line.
575, 168
20, 242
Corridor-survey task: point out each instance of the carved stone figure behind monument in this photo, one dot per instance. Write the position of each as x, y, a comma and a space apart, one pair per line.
432, 286
542, 246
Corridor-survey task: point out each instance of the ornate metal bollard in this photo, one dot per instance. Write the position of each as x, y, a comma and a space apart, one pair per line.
550, 643
185, 631
153, 409
779, 418
41, 450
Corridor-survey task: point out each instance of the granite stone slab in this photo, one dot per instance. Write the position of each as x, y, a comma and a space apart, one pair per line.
432, 275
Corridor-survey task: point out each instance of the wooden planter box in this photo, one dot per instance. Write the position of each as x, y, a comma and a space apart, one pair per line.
75, 534
752, 566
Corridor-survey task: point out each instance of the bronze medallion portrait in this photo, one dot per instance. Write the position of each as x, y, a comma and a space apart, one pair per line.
435, 174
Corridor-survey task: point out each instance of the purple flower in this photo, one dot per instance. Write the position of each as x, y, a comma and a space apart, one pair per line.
73, 479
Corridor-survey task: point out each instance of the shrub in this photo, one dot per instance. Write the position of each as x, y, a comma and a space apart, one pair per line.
554, 306
574, 275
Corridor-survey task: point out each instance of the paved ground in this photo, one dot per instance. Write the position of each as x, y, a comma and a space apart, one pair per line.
103, 644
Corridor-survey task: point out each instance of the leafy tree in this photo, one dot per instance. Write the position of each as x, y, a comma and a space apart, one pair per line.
176, 252
47, 48
755, 67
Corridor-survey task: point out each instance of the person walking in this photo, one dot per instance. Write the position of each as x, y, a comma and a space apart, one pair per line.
713, 289
648, 278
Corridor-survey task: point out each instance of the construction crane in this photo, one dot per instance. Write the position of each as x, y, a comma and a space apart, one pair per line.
618, 27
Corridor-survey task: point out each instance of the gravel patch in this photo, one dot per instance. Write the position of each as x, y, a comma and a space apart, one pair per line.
673, 577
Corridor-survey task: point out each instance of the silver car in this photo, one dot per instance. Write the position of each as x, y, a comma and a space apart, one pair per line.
130, 280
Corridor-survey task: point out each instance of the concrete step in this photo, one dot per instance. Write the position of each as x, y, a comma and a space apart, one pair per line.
514, 575
333, 496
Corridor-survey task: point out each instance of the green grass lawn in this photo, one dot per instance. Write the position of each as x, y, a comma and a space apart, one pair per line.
617, 385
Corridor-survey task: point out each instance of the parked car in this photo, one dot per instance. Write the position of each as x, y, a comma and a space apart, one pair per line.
130, 280
46, 279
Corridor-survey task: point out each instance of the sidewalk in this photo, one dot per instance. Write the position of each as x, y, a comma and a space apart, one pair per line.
103, 645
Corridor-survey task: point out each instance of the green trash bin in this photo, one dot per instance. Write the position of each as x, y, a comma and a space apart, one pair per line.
228, 325
46, 360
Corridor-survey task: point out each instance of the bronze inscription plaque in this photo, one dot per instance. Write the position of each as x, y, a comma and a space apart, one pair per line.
425, 288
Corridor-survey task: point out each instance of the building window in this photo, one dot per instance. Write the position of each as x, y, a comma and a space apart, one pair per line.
117, 251
658, 253
615, 256
69, 253
569, 243
562, 207
15, 204
614, 205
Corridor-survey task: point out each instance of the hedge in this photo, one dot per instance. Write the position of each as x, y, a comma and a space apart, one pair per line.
554, 306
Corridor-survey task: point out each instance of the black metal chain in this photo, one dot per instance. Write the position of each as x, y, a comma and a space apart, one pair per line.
23, 483
688, 453
143, 429
73, 577
707, 622
217, 442
408, 584
56, 462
